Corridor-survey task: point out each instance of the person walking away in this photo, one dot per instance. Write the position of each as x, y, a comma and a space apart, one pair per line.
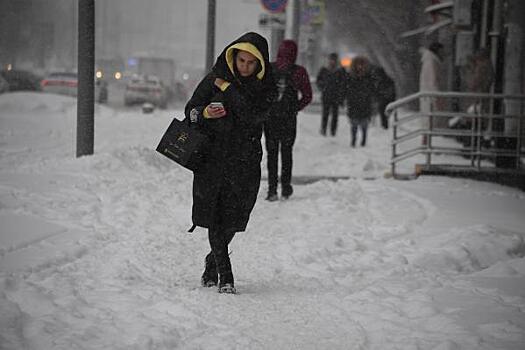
330, 81
225, 186
479, 72
478, 77
430, 80
281, 128
385, 92
359, 98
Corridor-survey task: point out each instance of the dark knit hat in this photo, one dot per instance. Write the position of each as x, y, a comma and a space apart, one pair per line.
435, 47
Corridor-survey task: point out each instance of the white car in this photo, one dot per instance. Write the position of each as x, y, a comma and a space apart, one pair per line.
146, 88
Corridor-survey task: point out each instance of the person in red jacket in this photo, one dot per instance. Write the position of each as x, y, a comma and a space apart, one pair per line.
294, 93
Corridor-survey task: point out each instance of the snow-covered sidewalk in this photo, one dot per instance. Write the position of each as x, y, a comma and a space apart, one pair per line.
94, 253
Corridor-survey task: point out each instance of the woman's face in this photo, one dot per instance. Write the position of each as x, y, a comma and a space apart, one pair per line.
246, 63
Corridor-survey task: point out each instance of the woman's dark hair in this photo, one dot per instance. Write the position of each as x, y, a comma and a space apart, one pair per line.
235, 52
435, 47
360, 61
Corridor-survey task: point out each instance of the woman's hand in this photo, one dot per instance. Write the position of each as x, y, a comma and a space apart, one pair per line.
215, 112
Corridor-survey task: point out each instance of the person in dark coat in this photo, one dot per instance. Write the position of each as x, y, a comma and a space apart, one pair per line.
359, 98
330, 81
225, 186
385, 89
281, 128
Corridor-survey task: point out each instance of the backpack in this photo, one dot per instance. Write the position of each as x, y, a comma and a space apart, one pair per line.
287, 100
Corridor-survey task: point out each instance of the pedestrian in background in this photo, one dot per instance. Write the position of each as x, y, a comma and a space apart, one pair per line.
385, 89
330, 81
293, 94
479, 76
430, 80
359, 92
225, 188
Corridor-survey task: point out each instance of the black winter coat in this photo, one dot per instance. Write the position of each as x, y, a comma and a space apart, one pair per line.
225, 187
331, 83
385, 88
360, 94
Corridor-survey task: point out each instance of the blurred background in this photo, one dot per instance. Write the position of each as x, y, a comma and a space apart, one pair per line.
168, 38
40, 36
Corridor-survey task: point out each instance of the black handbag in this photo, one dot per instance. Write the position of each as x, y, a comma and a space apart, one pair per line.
183, 144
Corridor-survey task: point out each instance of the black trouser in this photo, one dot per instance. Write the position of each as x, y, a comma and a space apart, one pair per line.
218, 259
361, 123
284, 138
333, 107
381, 105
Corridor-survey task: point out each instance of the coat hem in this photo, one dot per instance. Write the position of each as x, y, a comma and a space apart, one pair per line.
229, 229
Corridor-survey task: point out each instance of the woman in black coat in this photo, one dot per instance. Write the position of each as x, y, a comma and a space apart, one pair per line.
359, 97
225, 186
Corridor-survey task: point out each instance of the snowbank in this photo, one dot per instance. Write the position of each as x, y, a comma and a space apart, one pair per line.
94, 253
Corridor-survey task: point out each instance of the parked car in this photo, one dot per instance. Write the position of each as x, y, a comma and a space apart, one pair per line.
62, 83
21, 80
66, 83
146, 88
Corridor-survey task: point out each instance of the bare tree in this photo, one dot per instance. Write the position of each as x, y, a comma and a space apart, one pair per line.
373, 28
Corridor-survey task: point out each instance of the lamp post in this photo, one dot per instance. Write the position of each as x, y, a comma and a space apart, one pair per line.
86, 73
210, 35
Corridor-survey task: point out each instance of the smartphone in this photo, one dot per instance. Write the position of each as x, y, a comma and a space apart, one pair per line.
216, 105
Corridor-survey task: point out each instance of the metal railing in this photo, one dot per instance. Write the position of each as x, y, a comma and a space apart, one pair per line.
480, 120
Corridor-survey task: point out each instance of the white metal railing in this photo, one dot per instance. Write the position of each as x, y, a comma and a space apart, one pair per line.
480, 121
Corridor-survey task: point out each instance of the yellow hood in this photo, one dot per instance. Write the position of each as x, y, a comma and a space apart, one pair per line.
248, 47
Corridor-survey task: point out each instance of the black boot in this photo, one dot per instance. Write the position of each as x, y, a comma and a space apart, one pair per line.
226, 284
219, 241
272, 197
210, 276
287, 191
